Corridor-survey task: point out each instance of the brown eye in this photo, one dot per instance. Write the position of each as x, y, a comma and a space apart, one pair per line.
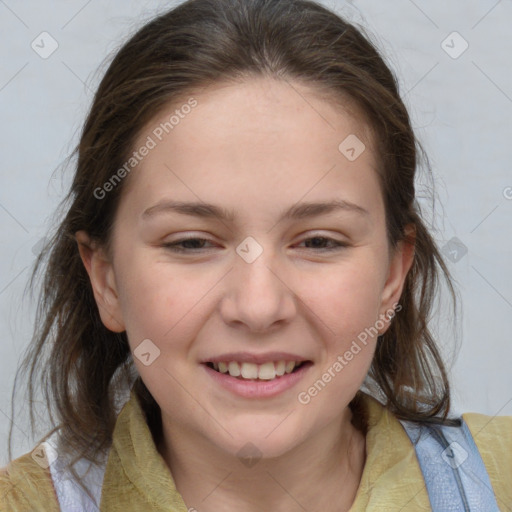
186, 245
318, 242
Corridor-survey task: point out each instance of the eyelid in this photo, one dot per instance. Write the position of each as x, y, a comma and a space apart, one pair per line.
175, 245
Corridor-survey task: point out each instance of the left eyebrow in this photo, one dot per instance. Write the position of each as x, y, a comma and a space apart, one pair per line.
297, 211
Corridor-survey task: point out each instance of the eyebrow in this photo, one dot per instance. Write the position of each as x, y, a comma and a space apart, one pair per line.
211, 211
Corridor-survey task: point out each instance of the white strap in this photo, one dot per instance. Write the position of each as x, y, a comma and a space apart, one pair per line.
71, 495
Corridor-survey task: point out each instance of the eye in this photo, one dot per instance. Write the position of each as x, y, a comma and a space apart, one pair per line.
186, 245
318, 241
197, 244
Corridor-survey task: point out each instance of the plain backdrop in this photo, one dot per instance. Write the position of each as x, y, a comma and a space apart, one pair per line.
453, 61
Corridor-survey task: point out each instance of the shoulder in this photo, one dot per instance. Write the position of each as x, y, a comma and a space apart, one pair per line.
493, 438
27, 486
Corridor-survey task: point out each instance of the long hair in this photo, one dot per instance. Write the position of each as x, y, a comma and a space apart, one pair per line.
84, 369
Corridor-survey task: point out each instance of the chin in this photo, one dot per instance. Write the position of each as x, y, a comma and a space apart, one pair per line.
255, 444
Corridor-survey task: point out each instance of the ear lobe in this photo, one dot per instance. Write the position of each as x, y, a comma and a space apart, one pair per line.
101, 275
400, 264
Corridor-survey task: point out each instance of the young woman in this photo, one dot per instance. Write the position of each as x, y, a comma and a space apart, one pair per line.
242, 254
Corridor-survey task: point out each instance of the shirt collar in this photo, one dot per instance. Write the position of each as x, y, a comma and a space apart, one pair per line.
135, 465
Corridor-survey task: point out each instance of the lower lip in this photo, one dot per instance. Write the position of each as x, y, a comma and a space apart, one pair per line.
258, 388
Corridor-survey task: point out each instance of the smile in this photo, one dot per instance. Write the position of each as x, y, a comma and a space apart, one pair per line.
251, 380
265, 371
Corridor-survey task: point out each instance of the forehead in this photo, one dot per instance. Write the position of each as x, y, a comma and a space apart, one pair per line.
260, 137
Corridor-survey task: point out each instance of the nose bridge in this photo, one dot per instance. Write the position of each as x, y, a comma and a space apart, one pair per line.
257, 295
256, 268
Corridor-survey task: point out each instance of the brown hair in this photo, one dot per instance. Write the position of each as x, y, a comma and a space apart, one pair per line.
85, 369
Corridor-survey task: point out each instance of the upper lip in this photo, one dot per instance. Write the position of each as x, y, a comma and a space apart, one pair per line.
246, 357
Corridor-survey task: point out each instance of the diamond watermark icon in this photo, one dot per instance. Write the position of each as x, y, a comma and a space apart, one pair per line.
351, 147
454, 45
44, 45
454, 249
454, 454
146, 352
44, 454
249, 455
249, 249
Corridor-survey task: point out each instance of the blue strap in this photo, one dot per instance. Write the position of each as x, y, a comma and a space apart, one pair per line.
453, 470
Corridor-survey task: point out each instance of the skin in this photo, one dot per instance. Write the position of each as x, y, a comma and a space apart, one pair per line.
256, 147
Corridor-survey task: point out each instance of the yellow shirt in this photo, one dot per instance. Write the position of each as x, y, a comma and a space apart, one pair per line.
138, 479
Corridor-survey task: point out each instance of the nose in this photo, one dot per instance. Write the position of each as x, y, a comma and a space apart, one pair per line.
257, 294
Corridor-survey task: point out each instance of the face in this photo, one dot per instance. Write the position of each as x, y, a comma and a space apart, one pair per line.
269, 282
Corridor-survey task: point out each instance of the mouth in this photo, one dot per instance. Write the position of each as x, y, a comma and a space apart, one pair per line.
255, 377
268, 371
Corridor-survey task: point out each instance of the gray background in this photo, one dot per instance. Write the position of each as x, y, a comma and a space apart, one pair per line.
460, 104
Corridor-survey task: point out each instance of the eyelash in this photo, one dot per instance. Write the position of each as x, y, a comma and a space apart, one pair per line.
174, 246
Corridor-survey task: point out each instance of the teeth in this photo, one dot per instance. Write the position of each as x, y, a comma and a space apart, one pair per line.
249, 370
290, 365
265, 371
234, 369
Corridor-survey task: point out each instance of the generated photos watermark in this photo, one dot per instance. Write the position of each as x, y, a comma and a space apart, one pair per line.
343, 360
157, 135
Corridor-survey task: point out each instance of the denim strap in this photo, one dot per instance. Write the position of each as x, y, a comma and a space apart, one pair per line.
453, 470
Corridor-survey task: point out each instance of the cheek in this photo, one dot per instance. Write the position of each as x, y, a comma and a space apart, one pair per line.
161, 301
347, 299
148, 297
348, 305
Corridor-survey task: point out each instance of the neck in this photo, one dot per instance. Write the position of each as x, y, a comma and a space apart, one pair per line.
330, 463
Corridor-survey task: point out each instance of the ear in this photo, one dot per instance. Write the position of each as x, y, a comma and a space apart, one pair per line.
101, 275
401, 261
